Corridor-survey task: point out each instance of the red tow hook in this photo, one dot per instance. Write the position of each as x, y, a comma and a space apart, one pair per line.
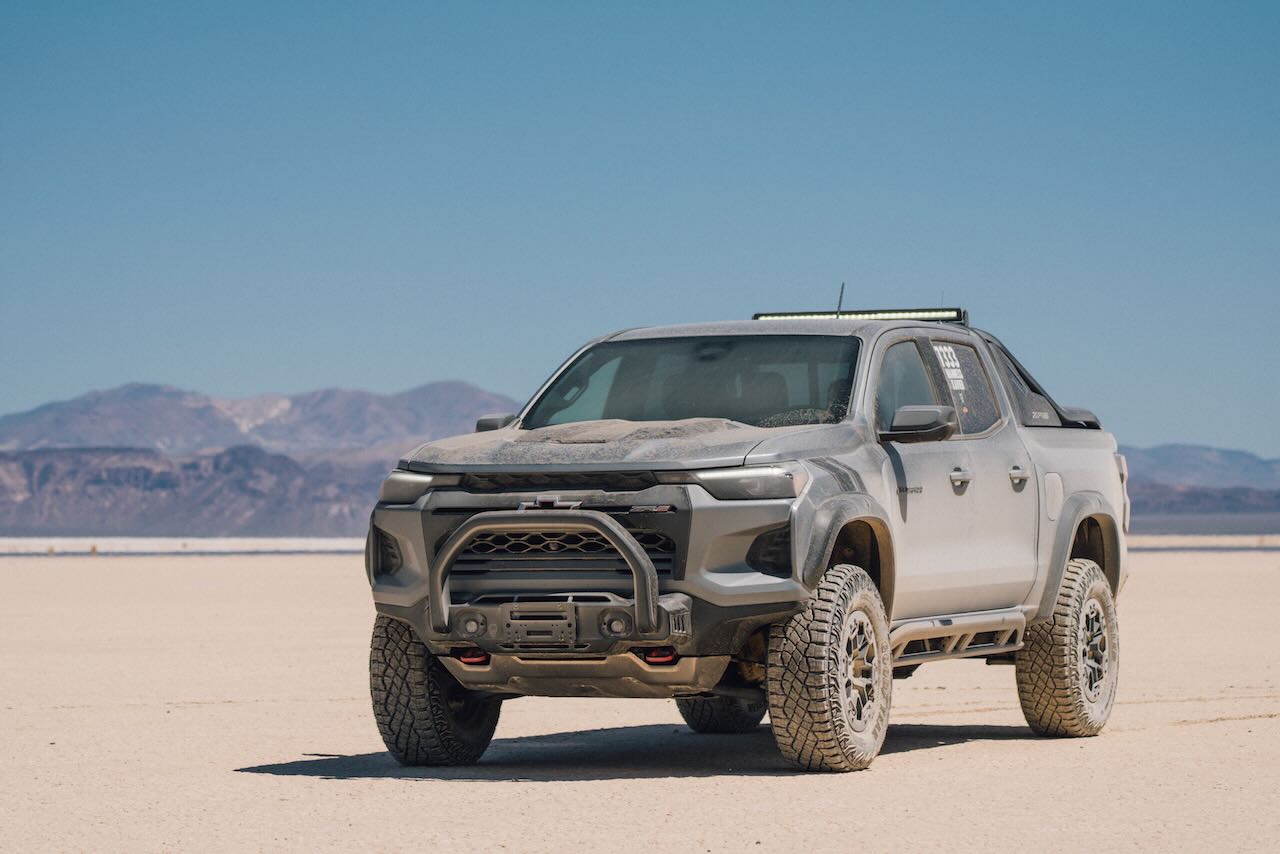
471, 655
658, 655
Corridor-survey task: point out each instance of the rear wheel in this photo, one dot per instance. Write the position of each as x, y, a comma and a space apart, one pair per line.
1069, 665
831, 675
424, 715
722, 714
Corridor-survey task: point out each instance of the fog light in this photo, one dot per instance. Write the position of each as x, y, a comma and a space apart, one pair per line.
471, 624
616, 624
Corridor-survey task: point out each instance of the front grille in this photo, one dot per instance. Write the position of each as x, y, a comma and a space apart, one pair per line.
604, 481
537, 544
570, 550
533, 561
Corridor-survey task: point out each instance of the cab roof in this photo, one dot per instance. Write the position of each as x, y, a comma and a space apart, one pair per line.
771, 326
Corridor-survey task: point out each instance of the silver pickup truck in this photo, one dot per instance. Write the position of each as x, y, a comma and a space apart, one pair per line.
778, 515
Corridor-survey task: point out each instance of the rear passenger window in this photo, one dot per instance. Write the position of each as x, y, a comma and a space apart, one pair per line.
903, 382
1034, 409
967, 383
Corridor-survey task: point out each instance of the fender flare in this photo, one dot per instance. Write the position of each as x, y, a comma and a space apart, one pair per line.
1075, 510
829, 519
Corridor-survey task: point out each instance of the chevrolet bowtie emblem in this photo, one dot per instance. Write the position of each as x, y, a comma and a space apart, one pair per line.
549, 502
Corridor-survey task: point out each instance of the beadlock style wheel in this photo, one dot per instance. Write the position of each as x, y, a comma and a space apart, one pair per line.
857, 668
1094, 661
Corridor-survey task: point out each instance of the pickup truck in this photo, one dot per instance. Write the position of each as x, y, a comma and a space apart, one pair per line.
779, 515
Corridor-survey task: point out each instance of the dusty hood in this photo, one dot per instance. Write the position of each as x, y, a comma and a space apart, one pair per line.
693, 443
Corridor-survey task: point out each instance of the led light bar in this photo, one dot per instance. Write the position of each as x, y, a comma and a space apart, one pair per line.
945, 315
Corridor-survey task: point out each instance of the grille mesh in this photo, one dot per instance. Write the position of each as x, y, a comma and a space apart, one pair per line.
543, 544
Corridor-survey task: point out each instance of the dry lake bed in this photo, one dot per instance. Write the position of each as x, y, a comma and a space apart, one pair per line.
219, 702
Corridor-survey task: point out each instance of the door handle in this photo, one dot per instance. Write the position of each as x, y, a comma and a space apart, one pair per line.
1018, 475
960, 477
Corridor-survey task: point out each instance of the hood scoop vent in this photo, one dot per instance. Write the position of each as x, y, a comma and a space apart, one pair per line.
604, 481
603, 432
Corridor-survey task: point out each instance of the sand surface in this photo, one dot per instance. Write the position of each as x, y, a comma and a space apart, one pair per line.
220, 703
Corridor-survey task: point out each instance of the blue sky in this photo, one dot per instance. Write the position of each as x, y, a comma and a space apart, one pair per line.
244, 198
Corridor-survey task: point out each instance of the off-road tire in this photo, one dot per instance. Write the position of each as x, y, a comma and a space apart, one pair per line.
424, 715
1069, 666
722, 714
823, 718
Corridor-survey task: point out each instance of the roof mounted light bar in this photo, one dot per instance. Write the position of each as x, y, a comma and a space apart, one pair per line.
944, 315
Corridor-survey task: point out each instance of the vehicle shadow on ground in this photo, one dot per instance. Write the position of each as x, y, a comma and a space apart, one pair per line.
624, 753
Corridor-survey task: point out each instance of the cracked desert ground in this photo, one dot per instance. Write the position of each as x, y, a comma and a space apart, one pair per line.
209, 703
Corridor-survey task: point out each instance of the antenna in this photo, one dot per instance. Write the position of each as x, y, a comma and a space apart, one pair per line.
840, 301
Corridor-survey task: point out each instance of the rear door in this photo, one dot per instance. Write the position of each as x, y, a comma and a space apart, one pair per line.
1001, 484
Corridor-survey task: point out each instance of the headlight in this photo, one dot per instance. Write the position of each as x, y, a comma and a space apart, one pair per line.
785, 480
406, 487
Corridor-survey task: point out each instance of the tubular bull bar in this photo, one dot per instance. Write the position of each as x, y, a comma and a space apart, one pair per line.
644, 576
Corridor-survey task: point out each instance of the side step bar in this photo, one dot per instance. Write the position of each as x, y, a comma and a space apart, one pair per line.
961, 636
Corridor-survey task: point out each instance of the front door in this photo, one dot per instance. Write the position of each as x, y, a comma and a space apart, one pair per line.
928, 503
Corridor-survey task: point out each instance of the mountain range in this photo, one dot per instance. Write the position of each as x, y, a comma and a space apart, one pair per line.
157, 460
1199, 465
175, 421
241, 491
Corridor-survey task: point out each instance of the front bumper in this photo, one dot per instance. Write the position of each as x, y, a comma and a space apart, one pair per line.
704, 606
621, 675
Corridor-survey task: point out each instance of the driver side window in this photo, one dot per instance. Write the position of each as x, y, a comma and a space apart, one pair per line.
903, 381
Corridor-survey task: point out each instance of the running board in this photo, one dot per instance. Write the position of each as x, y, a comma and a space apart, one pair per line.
959, 636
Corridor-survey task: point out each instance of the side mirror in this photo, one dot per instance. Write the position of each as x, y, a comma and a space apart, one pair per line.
921, 424
493, 422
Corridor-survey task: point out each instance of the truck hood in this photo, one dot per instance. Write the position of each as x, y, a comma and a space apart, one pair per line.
600, 445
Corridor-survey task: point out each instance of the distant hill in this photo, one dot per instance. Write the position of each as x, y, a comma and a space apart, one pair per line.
175, 421
1160, 499
1196, 489
243, 491
1199, 465
155, 460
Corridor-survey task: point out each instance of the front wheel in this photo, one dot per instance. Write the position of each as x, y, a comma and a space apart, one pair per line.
831, 675
1069, 664
424, 715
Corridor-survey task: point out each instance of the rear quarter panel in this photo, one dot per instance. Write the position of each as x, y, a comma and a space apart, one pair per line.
1077, 475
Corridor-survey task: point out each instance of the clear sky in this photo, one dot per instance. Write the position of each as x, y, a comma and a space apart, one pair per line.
244, 198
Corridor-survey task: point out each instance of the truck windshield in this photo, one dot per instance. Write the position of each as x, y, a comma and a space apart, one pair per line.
762, 380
